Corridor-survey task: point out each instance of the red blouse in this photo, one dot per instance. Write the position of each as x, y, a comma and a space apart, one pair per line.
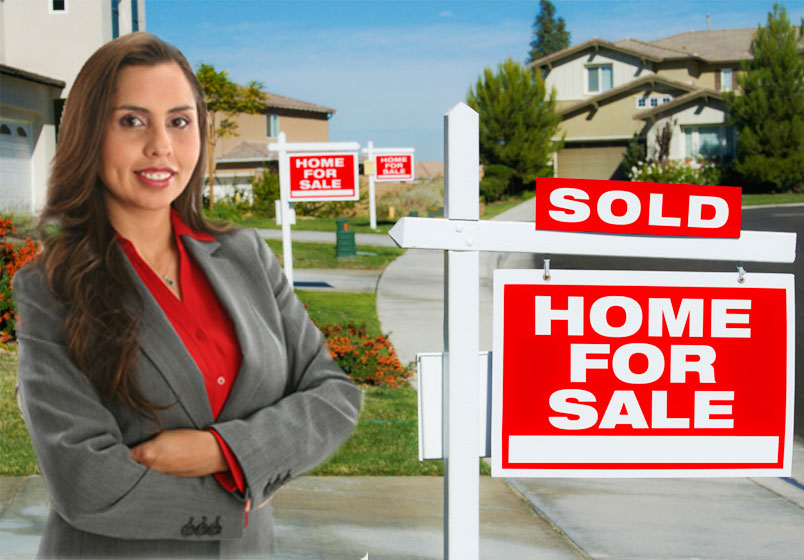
204, 327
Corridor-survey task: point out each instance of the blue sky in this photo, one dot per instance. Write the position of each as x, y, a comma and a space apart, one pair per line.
392, 68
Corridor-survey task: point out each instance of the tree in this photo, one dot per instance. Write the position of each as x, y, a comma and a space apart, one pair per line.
225, 99
549, 35
517, 122
769, 114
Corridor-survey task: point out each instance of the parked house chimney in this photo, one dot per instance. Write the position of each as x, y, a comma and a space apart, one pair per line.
708, 23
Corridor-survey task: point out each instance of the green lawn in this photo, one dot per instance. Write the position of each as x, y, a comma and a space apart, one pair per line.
342, 307
358, 224
16, 452
322, 255
761, 199
386, 440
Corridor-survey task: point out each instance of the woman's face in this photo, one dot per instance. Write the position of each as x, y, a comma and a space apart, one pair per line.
151, 143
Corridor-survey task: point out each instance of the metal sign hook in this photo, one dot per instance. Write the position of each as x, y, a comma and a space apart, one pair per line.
740, 274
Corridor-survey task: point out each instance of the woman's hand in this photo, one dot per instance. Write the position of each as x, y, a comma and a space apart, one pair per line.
188, 453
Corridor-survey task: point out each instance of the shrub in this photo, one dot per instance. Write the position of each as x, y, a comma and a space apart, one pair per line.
265, 187
369, 360
12, 258
496, 181
704, 173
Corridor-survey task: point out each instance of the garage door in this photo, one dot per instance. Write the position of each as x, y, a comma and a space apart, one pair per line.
15, 165
591, 162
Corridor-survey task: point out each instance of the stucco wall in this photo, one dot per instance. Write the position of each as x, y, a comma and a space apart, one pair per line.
254, 128
56, 44
569, 76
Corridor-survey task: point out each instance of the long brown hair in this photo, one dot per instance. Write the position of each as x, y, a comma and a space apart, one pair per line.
82, 261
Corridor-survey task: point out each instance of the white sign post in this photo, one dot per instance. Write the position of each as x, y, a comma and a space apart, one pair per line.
283, 149
462, 235
371, 153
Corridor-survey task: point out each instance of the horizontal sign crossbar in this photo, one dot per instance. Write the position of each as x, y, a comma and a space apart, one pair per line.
522, 237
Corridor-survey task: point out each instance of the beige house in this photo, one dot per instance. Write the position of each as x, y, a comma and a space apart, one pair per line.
43, 44
239, 157
607, 92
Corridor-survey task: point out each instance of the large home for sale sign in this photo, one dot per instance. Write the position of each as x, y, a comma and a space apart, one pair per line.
323, 176
623, 373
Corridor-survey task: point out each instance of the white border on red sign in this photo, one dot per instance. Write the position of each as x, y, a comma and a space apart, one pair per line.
637, 278
391, 179
316, 196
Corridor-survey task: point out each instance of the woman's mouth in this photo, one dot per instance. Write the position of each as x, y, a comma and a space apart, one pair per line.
155, 177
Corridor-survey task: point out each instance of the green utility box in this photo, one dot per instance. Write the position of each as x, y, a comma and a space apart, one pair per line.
344, 239
435, 212
413, 213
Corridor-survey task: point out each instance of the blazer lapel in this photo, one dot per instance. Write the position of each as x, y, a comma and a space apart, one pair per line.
165, 349
229, 285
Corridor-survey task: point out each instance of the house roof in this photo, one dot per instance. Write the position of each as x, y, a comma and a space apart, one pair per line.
650, 80
248, 150
283, 102
705, 94
31, 77
657, 52
595, 44
715, 45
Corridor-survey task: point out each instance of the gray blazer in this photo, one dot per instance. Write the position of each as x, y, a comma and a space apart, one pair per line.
290, 408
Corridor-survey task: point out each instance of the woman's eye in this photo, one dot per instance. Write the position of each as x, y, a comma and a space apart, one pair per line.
180, 122
131, 121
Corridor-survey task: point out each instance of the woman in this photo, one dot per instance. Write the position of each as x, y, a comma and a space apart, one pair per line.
169, 377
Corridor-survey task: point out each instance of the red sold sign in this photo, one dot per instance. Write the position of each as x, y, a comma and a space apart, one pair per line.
394, 167
637, 208
607, 373
323, 176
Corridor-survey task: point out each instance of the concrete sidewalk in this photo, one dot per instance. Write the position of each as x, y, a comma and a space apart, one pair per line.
334, 518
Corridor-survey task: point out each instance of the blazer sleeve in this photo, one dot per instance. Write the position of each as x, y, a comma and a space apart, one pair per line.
92, 481
318, 412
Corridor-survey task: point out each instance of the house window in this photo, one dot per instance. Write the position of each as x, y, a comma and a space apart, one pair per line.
725, 80
598, 78
135, 16
21, 132
665, 100
654, 102
57, 6
642, 102
115, 19
272, 126
713, 142
4, 129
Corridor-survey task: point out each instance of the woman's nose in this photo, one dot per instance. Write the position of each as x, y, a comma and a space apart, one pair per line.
159, 142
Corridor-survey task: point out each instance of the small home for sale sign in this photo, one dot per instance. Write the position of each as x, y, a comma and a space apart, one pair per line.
394, 167
323, 176
623, 373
